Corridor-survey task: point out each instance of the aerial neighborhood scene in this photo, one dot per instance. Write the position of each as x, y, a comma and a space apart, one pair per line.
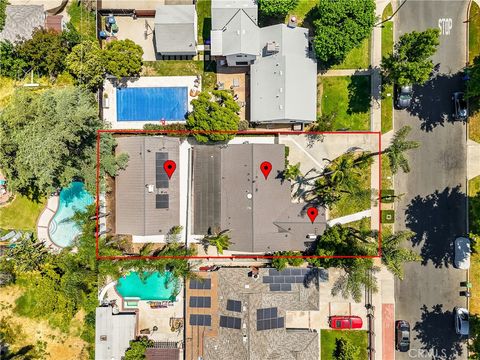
239, 179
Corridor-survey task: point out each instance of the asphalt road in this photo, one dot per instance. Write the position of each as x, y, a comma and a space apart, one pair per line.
434, 204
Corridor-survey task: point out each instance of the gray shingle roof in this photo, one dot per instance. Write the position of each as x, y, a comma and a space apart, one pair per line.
176, 29
284, 84
21, 21
135, 206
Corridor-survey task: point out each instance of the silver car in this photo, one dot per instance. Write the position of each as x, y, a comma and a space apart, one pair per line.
462, 253
462, 325
404, 97
460, 106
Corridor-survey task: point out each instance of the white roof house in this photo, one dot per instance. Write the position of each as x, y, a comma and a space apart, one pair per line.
21, 21
283, 81
235, 32
113, 333
176, 30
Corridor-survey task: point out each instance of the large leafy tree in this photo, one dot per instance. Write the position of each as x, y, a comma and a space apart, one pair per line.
213, 115
12, 65
473, 89
276, 8
48, 138
341, 25
86, 64
345, 349
45, 52
410, 62
3, 15
123, 58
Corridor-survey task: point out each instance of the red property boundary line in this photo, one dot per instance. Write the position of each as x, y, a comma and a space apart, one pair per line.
244, 132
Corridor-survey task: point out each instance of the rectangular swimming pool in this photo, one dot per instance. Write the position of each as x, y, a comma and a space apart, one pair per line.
152, 103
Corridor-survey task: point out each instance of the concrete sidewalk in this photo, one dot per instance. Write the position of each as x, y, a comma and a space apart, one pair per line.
350, 218
473, 159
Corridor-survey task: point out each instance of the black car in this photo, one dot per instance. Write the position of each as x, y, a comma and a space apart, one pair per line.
460, 106
404, 96
402, 335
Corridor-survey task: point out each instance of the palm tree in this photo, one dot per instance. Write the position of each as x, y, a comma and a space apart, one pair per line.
292, 172
220, 240
394, 256
397, 148
358, 276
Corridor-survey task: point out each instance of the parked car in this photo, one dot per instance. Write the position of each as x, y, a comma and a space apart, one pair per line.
461, 321
404, 97
462, 253
460, 106
402, 335
345, 322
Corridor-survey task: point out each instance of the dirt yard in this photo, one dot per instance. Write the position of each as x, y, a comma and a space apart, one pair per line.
59, 345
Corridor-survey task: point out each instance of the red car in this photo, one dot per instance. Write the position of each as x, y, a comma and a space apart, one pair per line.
345, 322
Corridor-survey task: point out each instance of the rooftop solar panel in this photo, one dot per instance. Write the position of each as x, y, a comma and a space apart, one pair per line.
201, 284
161, 177
200, 301
274, 287
230, 322
234, 305
200, 320
161, 201
285, 287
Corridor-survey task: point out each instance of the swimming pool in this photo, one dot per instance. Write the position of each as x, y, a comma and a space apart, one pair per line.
156, 286
62, 230
152, 104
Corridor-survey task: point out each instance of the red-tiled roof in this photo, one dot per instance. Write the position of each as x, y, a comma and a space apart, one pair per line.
162, 354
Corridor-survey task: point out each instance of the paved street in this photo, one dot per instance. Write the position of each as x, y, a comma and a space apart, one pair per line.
434, 203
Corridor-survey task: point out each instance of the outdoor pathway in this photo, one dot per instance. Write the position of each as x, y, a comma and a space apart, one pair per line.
350, 218
473, 159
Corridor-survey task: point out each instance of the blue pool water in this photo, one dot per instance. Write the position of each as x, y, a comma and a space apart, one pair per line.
152, 104
62, 229
155, 286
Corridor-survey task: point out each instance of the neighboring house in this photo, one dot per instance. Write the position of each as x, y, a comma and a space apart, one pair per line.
235, 32
283, 80
275, 315
113, 333
21, 21
176, 30
146, 201
230, 192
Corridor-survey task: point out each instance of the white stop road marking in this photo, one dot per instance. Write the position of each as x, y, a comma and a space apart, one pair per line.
445, 25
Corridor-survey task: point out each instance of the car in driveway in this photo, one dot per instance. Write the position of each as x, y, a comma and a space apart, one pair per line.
402, 335
404, 96
462, 253
462, 323
459, 106
345, 322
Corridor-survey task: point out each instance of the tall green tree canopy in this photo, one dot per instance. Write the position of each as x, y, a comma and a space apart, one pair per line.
123, 58
276, 8
473, 89
214, 112
345, 349
45, 52
86, 64
12, 65
341, 25
3, 15
47, 138
410, 62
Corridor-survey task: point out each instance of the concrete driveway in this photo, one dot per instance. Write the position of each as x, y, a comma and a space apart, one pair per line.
434, 205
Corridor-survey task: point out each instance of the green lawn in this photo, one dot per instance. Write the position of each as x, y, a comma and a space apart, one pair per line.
387, 48
206, 69
358, 337
387, 176
348, 97
83, 20
474, 203
387, 38
357, 58
301, 10
474, 32
361, 224
21, 214
204, 20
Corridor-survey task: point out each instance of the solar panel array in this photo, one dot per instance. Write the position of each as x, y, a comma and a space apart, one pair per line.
234, 305
283, 280
268, 319
230, 322
280, 287
161, 201
200, 320
161, 176
201, 284
200, 301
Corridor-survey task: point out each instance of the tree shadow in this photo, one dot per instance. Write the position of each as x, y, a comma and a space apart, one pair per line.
437, 219
358, 94
436, 333
207, 26
432, 102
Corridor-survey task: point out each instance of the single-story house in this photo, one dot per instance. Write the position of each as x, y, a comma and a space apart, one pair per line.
113, 333
21, 21
176, 30
235, 32
283, 80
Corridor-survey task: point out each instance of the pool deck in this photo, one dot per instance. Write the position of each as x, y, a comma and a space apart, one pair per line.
110, 111
43, 223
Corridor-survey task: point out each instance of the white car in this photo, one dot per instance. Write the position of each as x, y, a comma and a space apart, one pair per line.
461, 321
462, 253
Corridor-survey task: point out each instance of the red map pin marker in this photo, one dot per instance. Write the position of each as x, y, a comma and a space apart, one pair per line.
169, 166
312, 213
265, 167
